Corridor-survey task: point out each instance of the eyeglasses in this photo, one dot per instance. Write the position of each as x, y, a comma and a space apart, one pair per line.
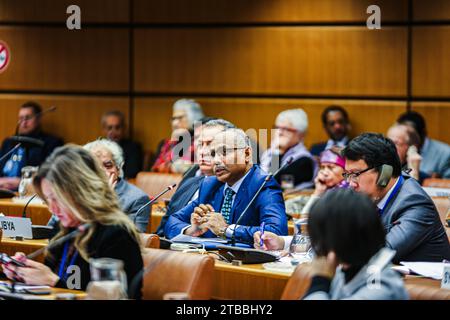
116, 127
354, 176
108, 164
26, 118
285, 129
223, 151
178, 117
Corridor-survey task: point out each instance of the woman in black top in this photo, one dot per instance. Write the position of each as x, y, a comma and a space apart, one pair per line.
77, 192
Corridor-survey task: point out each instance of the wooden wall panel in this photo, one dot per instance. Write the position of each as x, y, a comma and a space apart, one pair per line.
57, 59
76, 119
437, 117
257, 113
269, 60
264, 11
431, 63
431, 10
55, 10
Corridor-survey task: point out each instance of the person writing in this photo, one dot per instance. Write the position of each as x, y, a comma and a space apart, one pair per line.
76, 190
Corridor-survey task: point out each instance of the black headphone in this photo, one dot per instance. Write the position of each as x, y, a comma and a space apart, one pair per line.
385, 175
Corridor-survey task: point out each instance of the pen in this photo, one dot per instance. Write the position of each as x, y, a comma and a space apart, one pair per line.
261, 228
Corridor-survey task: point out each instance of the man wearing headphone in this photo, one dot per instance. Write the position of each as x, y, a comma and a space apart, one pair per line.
412, 223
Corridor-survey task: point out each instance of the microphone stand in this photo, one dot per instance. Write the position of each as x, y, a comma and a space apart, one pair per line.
24, 213
268, 177
153, 199
10, 151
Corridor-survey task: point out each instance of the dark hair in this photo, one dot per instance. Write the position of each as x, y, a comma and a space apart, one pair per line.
115, 113
415, 120
37, 109
375, 150
346, 222
333, 108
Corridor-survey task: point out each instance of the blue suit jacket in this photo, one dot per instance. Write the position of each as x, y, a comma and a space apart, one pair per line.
180, 199
267, 207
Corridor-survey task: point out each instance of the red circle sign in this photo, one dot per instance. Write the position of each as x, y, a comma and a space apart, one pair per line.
4, 56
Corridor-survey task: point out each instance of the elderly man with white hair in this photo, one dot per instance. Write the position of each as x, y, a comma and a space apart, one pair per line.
176, 154
110, 157
222, 199
287, 145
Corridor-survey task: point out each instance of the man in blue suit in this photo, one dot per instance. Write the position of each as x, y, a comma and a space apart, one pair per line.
188, 188
223, 198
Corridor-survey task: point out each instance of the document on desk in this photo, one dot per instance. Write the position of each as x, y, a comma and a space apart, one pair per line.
432, 270
22, 286
188, 239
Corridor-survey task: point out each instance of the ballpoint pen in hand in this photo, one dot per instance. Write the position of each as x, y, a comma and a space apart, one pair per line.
261, 228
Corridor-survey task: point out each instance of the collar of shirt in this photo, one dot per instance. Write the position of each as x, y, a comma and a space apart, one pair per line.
339, 143
237, 185
382, 202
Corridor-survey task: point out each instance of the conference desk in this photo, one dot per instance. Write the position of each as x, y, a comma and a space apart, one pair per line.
245, 282
38, 213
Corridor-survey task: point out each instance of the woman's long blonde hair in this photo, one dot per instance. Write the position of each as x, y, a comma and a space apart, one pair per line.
82, 186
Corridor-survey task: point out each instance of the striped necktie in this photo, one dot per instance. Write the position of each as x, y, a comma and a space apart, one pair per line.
226, 206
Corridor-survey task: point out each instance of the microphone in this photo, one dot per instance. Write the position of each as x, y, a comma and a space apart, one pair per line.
268, 177
28, 141
9, 152
24, 212
153, 199
71, 235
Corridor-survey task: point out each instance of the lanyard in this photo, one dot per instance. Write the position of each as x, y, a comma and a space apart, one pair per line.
393, 194
63, 262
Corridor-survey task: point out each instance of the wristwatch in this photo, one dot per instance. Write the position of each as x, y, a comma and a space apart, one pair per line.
222, 232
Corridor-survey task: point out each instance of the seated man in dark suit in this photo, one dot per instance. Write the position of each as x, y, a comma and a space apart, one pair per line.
337, 125
109, 157
188, 188
408, 214
28, 154
223, 198
113, 124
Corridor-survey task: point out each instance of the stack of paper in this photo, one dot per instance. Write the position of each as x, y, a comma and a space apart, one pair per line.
432, 270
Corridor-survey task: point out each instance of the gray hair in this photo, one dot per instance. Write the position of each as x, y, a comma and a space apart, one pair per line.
297, 117
115, 113
111, 146
241, 139
219, 122
192, 108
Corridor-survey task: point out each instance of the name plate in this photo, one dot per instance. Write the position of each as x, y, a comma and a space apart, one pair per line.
445, 283
16, 227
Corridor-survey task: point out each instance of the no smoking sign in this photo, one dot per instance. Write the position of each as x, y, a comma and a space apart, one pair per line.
4, 56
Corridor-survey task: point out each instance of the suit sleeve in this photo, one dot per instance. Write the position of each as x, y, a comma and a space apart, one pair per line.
133, 163
179, 220
270, 206
413, 226
142, 219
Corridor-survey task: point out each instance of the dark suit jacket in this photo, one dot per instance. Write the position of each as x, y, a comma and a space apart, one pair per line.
133, 157
268, 207
188, 187
318, 148
419, 235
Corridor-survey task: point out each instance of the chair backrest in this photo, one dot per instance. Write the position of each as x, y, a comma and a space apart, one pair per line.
153, 183
442, 205
150, 240
421, 292
298, 283
171, 271
436, 183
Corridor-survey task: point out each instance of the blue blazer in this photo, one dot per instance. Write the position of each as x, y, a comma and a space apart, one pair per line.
267, 207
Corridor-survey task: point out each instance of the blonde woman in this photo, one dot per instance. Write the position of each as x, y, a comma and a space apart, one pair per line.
76, 190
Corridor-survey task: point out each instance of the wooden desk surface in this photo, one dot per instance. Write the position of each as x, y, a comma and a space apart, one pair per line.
38, 213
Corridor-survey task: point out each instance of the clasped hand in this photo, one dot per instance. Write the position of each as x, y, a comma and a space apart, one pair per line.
205, 218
